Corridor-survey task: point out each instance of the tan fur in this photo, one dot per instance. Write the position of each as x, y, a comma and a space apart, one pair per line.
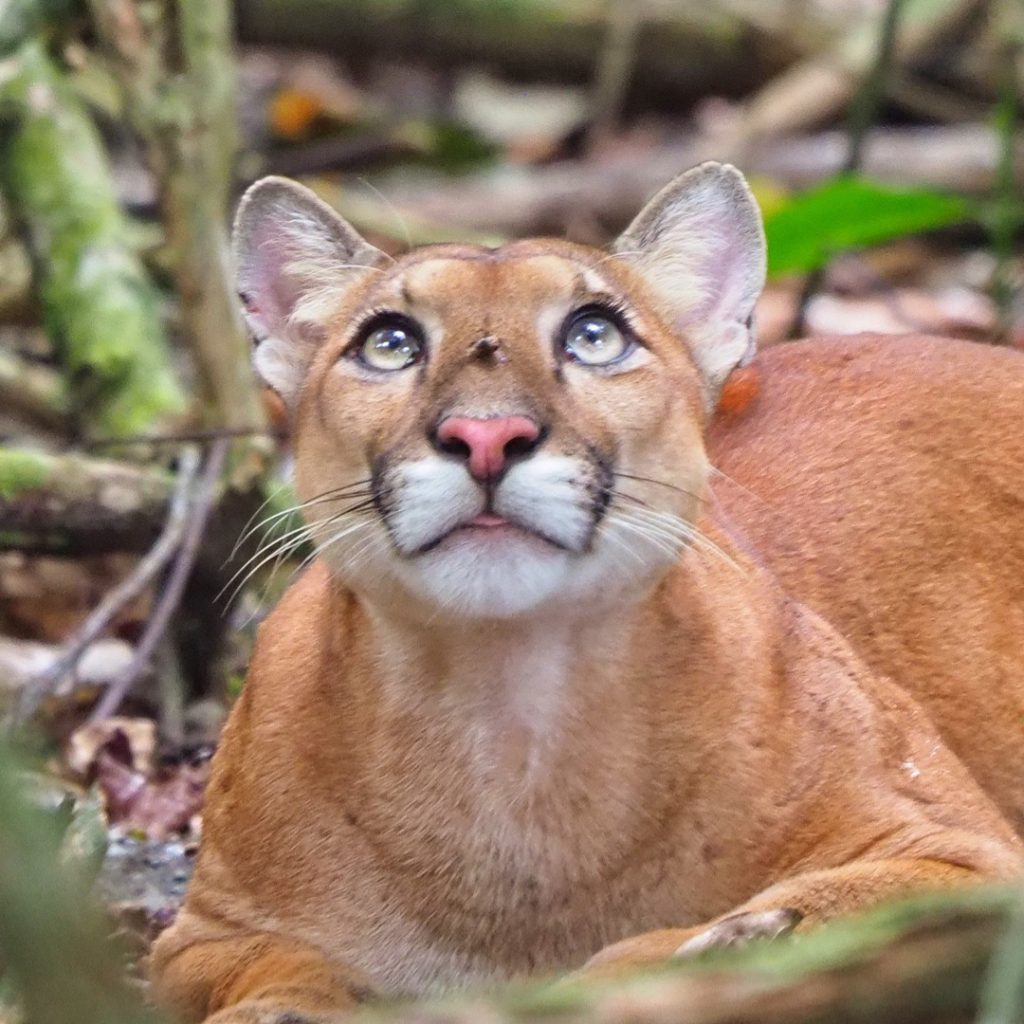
411, 796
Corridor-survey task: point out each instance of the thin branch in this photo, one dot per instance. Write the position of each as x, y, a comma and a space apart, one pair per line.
614, 69
123, 594
863, 112
167, 604
184, 437
1006, 216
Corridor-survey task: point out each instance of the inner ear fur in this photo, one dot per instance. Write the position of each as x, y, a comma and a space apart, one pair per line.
294, 258
699, 244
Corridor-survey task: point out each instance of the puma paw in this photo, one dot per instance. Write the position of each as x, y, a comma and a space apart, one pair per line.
739, 929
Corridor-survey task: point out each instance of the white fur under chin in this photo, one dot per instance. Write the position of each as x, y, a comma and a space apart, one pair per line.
499, 572
488, 573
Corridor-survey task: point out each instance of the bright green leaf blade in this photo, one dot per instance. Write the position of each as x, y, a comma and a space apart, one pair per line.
850, 213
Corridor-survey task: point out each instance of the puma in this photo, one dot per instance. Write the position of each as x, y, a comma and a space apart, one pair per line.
556, 692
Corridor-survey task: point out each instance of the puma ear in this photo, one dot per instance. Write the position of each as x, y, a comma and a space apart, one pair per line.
700, 245
294, 258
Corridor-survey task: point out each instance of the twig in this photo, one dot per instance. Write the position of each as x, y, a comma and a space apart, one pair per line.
186, 436
128, 590
863, 112
1006, 216
167, 604
614, 69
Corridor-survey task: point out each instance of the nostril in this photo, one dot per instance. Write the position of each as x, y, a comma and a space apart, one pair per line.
519, 446
453, 446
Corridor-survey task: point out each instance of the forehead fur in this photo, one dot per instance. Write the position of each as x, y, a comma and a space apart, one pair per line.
439, 276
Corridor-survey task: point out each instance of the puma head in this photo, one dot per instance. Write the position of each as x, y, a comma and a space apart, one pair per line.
491, 432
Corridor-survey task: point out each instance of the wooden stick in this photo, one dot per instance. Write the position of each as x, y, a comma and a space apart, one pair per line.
198, 514
863, 112
123, 594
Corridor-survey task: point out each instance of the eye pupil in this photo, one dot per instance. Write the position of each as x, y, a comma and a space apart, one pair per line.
391, 347
594, 340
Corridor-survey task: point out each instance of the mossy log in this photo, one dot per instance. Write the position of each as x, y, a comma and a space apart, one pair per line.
98, 303
69, 504
922, 961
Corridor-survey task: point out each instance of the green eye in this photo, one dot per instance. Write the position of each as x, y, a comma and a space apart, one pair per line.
594, 340
391, 346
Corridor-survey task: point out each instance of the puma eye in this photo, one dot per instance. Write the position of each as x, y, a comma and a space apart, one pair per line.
595, 340
393, 345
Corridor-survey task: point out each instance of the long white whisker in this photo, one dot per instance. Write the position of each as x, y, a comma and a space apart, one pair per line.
393, 210
672, 523
610, 535
354, 490
280, 550
271, 545
670, 547
244, 533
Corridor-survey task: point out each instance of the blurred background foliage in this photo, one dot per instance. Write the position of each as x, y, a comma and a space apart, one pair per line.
145, 517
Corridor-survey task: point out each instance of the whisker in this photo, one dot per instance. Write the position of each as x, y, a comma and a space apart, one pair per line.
393, 210
650, 537
616, 493
670, 526
295, 509
691, 531
244, 532
281, 547
348, 490
609, 535
270, 545
660, 483
746, 490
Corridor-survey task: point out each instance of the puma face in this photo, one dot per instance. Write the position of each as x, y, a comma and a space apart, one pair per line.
491, 432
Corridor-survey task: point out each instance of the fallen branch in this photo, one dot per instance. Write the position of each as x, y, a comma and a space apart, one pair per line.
198, 514
810, 92
22, 662
683, 52
963, 158
70, 504
98, 622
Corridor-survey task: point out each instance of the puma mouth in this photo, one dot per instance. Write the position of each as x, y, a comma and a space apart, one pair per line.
487, 527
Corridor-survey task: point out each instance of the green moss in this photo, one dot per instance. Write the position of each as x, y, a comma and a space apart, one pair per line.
21, 471
99, 305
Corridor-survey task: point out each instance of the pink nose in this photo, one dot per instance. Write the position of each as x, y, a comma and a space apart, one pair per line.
487, 444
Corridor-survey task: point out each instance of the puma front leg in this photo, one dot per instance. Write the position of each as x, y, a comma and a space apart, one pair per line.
251, 978
803, 900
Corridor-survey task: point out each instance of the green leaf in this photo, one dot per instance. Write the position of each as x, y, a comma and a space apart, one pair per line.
850, 213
